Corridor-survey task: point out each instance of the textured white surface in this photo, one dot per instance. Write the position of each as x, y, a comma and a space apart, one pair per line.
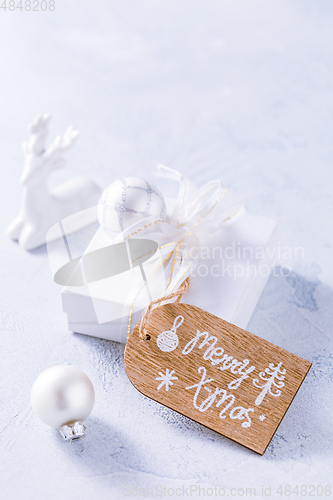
237, 90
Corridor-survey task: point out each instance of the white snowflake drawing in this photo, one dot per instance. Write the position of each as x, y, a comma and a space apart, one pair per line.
262, 417
166, 379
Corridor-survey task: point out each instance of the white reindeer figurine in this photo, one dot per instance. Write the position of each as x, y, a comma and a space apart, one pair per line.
42, 208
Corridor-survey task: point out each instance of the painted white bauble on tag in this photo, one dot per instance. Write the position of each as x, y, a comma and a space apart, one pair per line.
62, 395
127, 201
167, 341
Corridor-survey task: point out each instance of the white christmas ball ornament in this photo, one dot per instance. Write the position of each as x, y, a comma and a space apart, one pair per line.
63, 397
127, 201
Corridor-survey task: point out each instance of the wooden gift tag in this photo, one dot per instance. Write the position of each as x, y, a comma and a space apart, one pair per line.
215, 373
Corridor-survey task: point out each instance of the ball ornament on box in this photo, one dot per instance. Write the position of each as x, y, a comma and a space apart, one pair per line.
127, 201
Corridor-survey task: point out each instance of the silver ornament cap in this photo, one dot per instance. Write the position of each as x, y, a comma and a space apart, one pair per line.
72, 431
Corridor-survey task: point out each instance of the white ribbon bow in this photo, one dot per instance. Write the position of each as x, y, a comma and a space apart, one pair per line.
202, 211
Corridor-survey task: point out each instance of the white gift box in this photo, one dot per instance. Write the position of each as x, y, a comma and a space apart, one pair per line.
234, 266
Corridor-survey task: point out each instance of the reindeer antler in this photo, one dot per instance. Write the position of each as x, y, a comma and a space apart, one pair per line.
61, 144
35, 147
38, 130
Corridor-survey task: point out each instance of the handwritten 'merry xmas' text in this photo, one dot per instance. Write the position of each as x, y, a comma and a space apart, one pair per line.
272, 380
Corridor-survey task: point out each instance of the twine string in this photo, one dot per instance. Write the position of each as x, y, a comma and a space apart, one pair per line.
155, 303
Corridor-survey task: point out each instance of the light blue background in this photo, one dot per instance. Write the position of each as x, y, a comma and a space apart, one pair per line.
241, 91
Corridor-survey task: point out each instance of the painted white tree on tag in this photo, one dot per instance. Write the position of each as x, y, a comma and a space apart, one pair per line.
274, 380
